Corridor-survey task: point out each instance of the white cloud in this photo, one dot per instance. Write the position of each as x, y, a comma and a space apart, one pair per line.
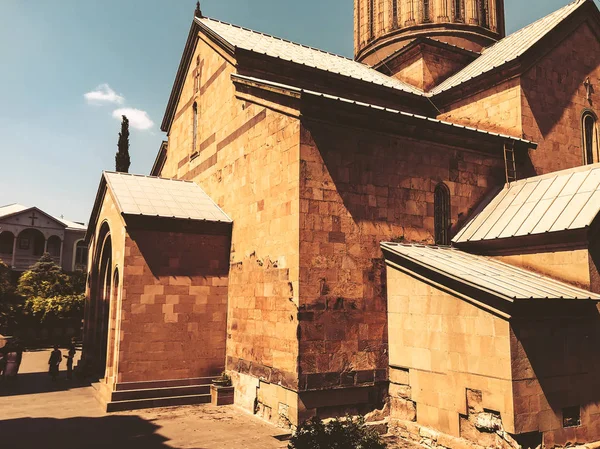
137, 119
103, 94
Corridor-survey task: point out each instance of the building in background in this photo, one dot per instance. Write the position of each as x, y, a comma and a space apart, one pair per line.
28, 232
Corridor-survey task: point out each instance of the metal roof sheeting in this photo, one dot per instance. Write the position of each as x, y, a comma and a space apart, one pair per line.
488, 274
509, 48
159, 197
559, 201
381, 108
300, 54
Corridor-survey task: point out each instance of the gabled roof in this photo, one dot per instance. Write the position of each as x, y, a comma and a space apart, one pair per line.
243, 38
510, 48
159, 197
484, 274
138, 196
567, 200
14, 209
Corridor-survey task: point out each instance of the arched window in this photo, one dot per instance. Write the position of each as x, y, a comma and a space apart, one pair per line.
195, 128
371, 19
81, 255
6, 243
590, 138
410, 12
395, 13
484, 13
442, 214
458, 7
426, 16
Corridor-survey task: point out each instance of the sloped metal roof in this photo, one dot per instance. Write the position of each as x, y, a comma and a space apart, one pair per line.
398, 112
158, 197
488, 274
559, 201
509, 48
275, 47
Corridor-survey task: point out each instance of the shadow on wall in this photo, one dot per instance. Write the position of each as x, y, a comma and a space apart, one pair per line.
183, 254
115, 432
563, 353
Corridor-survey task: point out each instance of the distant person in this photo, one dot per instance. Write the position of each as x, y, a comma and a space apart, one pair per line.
70, 356
13, 356
54, 362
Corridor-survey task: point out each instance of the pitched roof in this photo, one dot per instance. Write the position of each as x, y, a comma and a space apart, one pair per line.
159, 197
275, 47
421, 119
559, 201
509, 48
487, 274
12, 209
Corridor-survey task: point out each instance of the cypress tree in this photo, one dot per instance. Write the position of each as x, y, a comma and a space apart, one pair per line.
122, 159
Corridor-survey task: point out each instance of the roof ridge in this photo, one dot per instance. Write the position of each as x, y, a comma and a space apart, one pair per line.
110, 172
282, 39
563, 172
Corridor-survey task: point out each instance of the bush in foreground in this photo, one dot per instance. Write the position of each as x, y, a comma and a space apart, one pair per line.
345, 433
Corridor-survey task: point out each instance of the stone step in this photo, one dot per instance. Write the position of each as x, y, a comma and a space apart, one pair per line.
156, 393
126, 386
137, 404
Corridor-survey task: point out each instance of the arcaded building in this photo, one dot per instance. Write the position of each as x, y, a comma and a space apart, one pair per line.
412, 231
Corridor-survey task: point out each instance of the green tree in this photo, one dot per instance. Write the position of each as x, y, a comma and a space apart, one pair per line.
122, 159
51, 293
11, 304
348, 433
45, 279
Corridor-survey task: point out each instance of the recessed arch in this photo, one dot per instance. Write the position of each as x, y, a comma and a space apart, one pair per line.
442, 214
589, 137
53, 246
31, 242
7, 240
80, 255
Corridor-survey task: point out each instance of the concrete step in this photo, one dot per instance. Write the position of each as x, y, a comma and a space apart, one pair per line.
164, 392
137, 404
126, 386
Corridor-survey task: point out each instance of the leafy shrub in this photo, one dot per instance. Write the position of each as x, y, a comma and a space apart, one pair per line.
49, 292
348, 433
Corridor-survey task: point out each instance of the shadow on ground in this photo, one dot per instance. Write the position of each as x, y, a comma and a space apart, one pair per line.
34, 383
114, 432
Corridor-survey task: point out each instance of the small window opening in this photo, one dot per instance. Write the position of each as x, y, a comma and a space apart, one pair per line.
589, 138
426, 11
484, 13
371, 19
395, 13
442, 214
195, 127
458, 10
572, 416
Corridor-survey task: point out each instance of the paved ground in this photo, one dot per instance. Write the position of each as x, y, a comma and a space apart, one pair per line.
37, 413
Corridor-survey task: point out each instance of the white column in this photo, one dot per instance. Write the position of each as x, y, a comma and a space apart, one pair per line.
14, 254
60, 258
45, 245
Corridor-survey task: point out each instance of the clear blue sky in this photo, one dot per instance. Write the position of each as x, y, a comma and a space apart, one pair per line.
54, 143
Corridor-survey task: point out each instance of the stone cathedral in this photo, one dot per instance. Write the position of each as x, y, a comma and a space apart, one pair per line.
411, 234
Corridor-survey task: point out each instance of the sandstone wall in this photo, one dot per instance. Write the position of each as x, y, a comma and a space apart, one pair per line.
555, 366
497, 109
174, 306
443, 349
553, 98
248, 163
360, 188
570, 266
